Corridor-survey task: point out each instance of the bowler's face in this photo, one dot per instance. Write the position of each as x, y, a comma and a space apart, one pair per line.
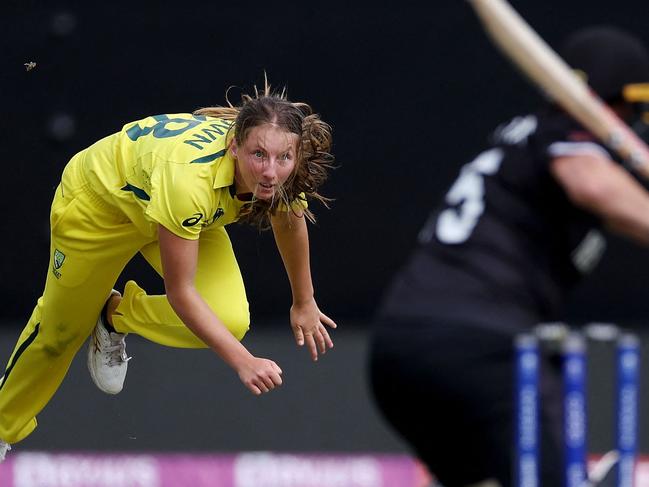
265, 160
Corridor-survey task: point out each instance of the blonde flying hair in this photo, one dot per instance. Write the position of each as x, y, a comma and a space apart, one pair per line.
313, 158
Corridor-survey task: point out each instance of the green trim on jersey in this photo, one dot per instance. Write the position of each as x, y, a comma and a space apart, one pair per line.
210, 158
19, 351
140, 193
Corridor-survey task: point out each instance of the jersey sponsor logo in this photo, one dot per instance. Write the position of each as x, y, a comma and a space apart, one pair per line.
57, 262
196, 218
217, 214
192, 220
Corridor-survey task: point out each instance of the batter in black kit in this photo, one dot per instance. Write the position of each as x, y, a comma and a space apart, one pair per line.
518, 229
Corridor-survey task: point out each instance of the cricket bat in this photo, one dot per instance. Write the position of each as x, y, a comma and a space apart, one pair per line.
523, 46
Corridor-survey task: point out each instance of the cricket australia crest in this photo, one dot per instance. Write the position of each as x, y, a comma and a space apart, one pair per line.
59, 258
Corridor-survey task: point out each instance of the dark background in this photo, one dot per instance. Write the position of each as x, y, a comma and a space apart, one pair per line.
410, 90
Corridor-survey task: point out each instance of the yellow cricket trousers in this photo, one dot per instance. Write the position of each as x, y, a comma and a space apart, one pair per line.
91, 243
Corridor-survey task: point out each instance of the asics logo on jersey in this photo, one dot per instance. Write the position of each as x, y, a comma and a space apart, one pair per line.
192, 220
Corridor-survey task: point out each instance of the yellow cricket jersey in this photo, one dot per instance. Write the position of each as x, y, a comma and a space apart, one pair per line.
173, 170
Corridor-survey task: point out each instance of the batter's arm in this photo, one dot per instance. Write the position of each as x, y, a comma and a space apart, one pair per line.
599, 185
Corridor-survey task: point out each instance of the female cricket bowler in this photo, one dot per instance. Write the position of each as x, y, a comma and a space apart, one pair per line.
166, 186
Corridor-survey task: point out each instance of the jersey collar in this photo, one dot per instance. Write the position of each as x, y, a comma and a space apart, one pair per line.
224, 176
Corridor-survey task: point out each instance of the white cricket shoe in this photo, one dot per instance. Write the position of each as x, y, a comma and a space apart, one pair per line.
4, 448
107, 359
